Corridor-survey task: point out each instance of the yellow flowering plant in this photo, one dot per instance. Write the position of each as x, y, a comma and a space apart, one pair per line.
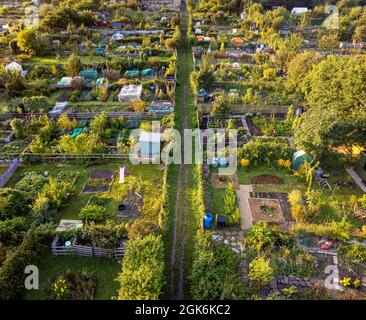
284, 163
244, 163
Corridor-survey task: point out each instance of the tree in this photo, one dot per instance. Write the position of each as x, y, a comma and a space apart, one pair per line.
73, 65
260, 271
328, 41
299, 67
31, 42
336, 95
17, 126
64, 122
288, 49
359, 34
13, 203
231, 205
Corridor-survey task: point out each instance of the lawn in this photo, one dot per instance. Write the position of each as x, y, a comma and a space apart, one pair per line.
63, 59
72, 208
217, 204
50, 266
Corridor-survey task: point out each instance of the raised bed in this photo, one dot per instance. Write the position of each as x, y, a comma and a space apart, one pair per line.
87, 250
58, 249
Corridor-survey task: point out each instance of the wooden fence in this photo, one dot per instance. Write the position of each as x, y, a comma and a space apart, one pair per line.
85, 251
14, 164
242, 109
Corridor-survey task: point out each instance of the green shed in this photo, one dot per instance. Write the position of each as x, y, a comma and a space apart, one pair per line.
360, 167
89, 74
100, 82
148, 73
132, 73
299, 158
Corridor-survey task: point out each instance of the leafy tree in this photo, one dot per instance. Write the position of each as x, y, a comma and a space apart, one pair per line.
73, 65
31, 42
17, 126
142, 228
13, 203
64, 122
299, 67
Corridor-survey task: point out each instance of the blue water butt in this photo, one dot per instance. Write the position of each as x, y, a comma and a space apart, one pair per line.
207, 221
223, 162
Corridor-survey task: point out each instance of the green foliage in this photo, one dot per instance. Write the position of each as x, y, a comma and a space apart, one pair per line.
12, 271
265, 151
260, 271
12, 229
31, 42
92, 213
260, 236
215, 271
32, 183
73, 65
142, 228
142, 276
231, 205
13, 203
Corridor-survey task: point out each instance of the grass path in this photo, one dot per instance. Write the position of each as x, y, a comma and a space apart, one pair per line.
181, 244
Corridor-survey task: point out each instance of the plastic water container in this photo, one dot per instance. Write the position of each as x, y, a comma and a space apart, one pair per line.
223, 162
207, 221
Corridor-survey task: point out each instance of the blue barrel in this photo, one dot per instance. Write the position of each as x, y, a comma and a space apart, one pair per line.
223, 162
207, 221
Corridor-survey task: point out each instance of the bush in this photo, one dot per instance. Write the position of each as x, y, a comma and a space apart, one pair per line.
142, 228
12, 271
231, 205
73, 285
260, 271
13, 229
260, 236
92, 213
215, 271
13, 203
32, 183
142, 276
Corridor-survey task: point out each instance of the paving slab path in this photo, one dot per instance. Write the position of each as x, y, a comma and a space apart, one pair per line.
243, 196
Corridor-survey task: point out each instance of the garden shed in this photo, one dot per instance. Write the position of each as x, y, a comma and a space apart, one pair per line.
132, 73
360, 167
59, 107
148, 73
100, 82
150, 143
130, 92
15, 67
64, 82
299, 158
89, 74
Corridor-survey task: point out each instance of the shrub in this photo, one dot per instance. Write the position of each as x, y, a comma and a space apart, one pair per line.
12, 271
260, 236
13, 203
73, 285
142, 228
260, 271
215, 271
92, 213
12, 229
231, 205
32, 183
142, 276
